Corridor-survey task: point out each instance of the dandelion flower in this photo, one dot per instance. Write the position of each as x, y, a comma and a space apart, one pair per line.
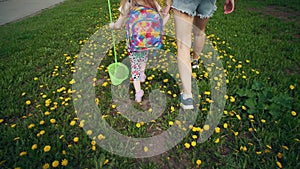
193, 143
217, 140
23, 153
73, 122
31, 125
217, 129
279, 155
146, 149
187, 145
171, 123
263, 120
64, 162
42, 122
279, 164
294, 113
292, 87
206, 127
101, 137
55, 163
52, 121
46, 166
105, 161
34, 146
47, 148
225, 125
198, 162
75, 139
28, 102
1, 120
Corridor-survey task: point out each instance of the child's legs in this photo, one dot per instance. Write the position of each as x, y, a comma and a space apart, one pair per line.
199, 36
138, 61
143, 60
183, 31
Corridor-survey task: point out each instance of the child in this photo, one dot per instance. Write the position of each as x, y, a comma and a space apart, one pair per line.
138, 57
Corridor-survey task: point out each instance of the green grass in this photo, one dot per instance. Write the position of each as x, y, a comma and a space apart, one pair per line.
259, 52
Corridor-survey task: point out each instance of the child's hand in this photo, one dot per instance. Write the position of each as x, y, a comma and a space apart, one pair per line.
112, 25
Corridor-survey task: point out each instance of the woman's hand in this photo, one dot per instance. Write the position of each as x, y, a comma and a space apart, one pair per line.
228, 6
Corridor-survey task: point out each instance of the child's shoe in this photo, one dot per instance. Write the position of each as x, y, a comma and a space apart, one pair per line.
139, 95
186, 103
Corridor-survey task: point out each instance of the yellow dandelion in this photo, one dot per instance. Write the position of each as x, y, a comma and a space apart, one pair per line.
263, 120
104, 84
34, 146
279, 164
244, 107
105, 161
292, 87
94, 148
73, 122
171, 123
258, 152
75, 139
89, 132
55, 163
72, 81
146, 149
187, 145
193, 143
93, 142
232, 99
101, 137
23, 153
42, 122
279, 155
113, 106
225, 125
198, 162
138, 125
294, 113
64, 162
31, 125
46, 166
165, 80
28, 102
1, 120
217, 129
47, 113
238, 117
13, 125
217, 140
194, 136
285, 147
52, 121
47, 148
206, 127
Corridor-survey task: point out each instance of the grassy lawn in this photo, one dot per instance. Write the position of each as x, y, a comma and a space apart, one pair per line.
259, 128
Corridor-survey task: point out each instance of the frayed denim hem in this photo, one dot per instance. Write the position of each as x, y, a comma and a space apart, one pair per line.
183, 11
209, 15
201, 16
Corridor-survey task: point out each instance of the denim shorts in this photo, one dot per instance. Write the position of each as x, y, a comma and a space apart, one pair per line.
201, 8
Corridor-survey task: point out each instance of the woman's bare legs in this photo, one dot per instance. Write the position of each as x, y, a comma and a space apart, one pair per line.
183, 31
199, 36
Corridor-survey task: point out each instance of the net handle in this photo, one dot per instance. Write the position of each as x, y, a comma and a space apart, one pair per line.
112, 31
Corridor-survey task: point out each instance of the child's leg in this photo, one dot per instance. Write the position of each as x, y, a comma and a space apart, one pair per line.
184, 40
143, 61
199, 36
135, 71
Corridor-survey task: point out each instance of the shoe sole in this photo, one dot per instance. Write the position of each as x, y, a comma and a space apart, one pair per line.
187, 106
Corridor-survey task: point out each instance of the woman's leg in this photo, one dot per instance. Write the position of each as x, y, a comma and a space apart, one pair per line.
199, 36
183, 31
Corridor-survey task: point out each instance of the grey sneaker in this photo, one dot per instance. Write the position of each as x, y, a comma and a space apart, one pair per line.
195, 64
186, 103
